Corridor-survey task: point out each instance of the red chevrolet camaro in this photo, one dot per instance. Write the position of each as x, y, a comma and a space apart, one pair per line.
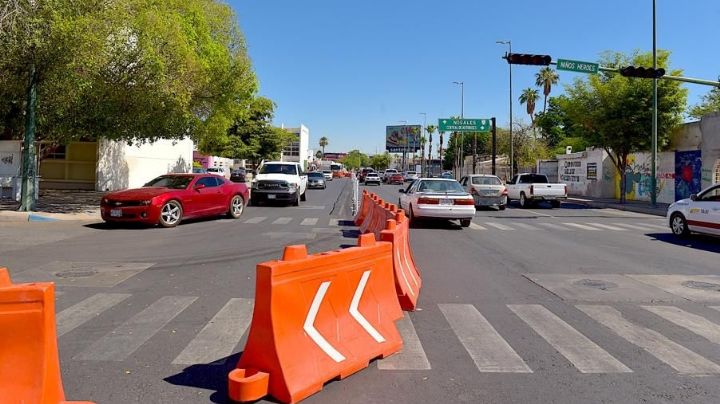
170, 198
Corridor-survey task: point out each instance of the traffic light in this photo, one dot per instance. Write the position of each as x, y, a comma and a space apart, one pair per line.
523, 59
642, 72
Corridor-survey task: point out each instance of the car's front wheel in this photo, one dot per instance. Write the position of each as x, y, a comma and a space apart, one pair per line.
303, 197
237, 205
678, 225
171, 214
524, 203
465, 222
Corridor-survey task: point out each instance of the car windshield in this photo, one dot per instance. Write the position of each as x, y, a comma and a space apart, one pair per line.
486, 181
288, 169
327, 172
170, 181
371, 175
316, 175
439, 186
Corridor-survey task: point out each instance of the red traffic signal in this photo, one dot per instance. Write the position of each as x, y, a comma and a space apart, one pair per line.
642, 72
523, 59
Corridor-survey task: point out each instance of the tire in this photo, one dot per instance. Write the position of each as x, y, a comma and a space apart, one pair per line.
465, 222
411, 215
501, 207
236, 208
303, 197
170, 214
678, 225
296, 201
555, 204
524, 203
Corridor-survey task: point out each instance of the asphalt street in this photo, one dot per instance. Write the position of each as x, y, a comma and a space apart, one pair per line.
527, 305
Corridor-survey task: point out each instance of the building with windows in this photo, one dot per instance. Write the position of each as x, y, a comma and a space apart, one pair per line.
297, 151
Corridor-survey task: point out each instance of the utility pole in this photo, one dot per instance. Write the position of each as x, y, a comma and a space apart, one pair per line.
653, 178
494, 144
460, 148
512, 143
29, 169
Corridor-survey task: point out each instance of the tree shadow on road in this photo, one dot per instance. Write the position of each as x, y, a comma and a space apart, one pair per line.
695, 241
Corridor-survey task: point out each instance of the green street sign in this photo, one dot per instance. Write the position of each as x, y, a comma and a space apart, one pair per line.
577, 66
464, 125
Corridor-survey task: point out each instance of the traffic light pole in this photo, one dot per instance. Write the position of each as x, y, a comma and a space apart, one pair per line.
494, 144
653, 177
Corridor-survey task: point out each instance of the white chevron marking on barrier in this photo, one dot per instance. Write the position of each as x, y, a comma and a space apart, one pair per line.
355, 313
309, 326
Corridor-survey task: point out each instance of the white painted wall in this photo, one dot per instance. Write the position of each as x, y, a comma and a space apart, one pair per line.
10, 164
121, 165
573, 171
710, 149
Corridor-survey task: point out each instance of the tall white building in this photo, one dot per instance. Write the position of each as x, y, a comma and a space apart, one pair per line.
298, 150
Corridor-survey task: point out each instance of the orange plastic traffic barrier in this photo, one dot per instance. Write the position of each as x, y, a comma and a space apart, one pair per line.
364, 208
375, 217
29, 366
407, 276
317, 318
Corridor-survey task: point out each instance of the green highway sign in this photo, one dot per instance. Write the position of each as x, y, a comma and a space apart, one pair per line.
464, 125
577, 66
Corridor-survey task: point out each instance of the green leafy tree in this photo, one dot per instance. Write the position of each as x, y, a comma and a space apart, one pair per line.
529, 97
546, 78
554, 123
323, 142
710, 103
319, 155
355, 159
615, 112
380, 161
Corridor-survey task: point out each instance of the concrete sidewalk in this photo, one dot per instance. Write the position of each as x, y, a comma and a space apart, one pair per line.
55, 205
630, 206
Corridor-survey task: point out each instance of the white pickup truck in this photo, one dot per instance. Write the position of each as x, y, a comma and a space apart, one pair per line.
279, 181
531, 188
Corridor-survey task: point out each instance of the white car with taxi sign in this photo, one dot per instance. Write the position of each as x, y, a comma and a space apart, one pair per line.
697, 214
437, 198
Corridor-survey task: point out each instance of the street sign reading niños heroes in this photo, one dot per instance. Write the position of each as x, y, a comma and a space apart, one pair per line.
577, 66
464, 125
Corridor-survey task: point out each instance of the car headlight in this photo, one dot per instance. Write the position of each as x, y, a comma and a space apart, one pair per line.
292, 187
104, 201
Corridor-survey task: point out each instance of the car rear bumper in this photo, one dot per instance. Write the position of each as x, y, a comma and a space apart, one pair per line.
444, 212
372, 182
548, 197
490, 200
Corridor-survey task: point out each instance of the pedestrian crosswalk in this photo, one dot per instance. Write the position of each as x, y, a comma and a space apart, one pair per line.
569, 226
473, 335
303, 221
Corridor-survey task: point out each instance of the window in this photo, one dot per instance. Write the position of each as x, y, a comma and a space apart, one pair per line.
533, 179
717, 172
440, 186
711, 195
514, 179
289, 169
207, 181
56, 153
170, 181
486, 181
463, 181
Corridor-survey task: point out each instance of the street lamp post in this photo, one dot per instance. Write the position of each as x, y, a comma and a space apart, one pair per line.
460, 157
653, 178
512, 143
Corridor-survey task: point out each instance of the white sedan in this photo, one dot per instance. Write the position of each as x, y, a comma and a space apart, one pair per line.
698, 214
437, 198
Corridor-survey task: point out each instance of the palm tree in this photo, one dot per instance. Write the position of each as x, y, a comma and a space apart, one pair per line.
430, 129
545, 78
528, 97
440, 149
423, 140
323, 142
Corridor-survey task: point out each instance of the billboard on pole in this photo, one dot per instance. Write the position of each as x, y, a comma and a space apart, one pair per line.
400, 138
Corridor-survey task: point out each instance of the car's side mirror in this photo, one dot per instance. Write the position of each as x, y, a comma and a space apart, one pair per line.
693, 197
199, 186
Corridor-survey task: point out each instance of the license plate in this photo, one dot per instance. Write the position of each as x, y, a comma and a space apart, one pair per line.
115, 212
446, 202
271, 196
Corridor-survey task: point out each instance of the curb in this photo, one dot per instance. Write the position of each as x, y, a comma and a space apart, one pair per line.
19, 217
624, 207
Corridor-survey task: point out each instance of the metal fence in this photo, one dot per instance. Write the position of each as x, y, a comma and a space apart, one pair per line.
356, 194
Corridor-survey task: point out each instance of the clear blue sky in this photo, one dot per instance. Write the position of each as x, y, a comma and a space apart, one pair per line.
346, 69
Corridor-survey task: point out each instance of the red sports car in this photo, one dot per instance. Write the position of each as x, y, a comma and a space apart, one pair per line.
170, 198
396, 179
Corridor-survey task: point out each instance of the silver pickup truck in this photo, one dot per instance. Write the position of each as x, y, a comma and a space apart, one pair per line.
531, 188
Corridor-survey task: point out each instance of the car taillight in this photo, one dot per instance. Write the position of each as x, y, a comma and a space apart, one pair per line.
428, 201
504, 192
464, 202
531, 189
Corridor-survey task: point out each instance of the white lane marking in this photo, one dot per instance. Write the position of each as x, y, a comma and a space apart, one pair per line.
633, 226
499, 226
489, 351
697, 324
655, 226
538, 213
220, 336
355, 313
334, 222
675, 355
584, 354
412, 356
476, 226
607, 226
310, 207
313, 333
581, 226
309, 221
554, 226
282, 220
80, 313
255, 220
120, 343
525, 226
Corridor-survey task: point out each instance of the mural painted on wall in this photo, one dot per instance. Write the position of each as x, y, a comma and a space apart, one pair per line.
638, 178
688, 173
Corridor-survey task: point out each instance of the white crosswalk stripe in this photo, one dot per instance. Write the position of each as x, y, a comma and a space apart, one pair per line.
606, 226
554, 226
220, 336
633, 226
476, 226
673, 354
526, 226
128, 337
655, 226
581, 226
255, 220
309, 221
584, 354
489, 351
80, 313
412, 356
282, 220
334, 222
499, 226
692, 322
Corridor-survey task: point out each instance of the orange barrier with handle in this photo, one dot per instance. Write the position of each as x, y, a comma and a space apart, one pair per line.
364, 208
317, 318
407, 276
29, 366
375, 216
